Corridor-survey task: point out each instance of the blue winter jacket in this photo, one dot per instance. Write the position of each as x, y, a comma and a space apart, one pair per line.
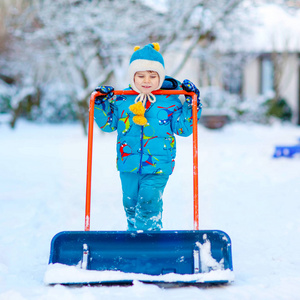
148, 149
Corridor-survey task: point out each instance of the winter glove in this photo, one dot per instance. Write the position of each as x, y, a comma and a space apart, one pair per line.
188, 86
107, 90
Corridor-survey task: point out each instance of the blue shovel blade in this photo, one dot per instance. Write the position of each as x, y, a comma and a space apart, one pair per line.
147, 252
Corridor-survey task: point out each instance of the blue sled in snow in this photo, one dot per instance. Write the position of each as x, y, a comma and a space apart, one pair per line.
286, 151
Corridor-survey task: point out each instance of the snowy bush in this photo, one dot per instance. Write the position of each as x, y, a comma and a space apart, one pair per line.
251, 110
18, 101
217, 101
47, 103
278, 108
5, 97
56, 104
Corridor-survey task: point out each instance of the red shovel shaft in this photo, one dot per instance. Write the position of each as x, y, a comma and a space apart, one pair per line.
90, 151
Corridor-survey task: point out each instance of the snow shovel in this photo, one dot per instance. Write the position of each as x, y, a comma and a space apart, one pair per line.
99, 257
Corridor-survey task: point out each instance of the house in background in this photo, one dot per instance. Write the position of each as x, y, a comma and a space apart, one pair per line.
275, 64
265, 63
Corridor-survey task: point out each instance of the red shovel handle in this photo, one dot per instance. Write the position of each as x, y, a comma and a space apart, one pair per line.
90, 151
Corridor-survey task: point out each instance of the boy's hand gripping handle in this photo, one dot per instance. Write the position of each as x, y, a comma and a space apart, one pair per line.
90, 151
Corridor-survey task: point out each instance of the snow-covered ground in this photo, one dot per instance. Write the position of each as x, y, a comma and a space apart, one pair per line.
243, 191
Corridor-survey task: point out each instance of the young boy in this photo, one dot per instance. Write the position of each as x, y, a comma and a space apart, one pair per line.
146, 125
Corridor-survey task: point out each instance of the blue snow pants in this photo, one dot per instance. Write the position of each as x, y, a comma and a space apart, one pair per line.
142, 199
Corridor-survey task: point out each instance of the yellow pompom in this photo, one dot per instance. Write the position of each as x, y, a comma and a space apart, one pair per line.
136, 48
156, 46
137, 108
140, 120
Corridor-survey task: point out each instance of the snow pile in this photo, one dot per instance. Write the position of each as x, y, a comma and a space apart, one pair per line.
58, 273
208, 263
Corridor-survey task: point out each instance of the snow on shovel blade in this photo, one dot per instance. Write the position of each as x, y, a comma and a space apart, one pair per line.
151, 256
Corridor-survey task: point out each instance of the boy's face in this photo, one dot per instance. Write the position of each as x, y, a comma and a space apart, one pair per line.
146, 81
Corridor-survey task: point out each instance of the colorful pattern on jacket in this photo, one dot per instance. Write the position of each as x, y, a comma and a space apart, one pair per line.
148, 149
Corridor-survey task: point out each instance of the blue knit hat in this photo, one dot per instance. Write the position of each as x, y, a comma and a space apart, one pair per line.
147, 59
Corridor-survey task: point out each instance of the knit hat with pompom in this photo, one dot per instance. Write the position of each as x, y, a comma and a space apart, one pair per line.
146, 59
